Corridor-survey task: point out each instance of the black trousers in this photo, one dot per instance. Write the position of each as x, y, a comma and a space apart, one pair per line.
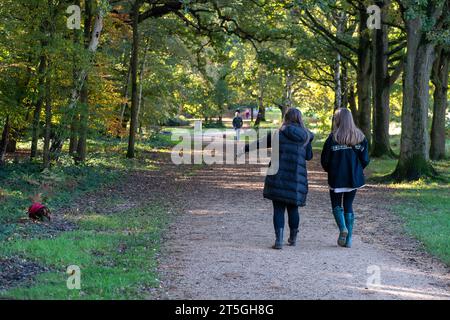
279, 209
344, 199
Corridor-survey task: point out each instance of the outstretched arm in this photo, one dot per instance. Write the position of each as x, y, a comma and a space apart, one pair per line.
257, 144
309, 152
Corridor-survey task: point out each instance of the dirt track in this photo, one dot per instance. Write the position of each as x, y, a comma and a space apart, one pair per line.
219, 248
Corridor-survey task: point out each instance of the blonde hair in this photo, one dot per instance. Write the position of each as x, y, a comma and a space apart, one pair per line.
345, 131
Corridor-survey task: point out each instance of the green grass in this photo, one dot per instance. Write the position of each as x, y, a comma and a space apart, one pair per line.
273, 119
116, 255
426, 211
273, 115
21, 181
424, 205
108, 272
106, 164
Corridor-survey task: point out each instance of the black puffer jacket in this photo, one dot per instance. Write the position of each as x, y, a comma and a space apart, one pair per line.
290, 183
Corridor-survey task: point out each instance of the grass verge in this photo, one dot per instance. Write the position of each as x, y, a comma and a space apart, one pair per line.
116, 253
424, 205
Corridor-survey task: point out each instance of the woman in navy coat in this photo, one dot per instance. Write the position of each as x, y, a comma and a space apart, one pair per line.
288, 187
345, 155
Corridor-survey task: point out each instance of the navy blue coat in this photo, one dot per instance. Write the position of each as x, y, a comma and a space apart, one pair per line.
238, 122
290, 184
345, 165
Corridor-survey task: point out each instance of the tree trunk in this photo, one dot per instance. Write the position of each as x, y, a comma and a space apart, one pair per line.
288, 90
344, 81
11, 147
440, 80
352, 104
414, 150
83, 127
122, 121
261, 107
126, 116
340, 19
380, 142
141, 85
363, 75
4, 141
134, 84
337, 83
90, 43
38, 108
48, 122
73, 144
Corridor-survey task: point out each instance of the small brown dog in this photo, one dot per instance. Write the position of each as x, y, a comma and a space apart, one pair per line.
39, 212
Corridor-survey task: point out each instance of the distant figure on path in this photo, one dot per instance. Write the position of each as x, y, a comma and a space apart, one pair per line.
345, 155
247, 114
237, 124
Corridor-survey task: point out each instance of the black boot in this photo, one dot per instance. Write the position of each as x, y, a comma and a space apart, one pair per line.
279, 239
293, 237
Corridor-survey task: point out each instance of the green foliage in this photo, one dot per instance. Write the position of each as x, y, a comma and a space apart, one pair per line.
160, 141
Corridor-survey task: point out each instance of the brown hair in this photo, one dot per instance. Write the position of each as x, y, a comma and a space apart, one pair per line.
294, 116
345, 131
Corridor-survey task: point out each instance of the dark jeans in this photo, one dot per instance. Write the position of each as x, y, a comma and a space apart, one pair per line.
279, 209
345, 197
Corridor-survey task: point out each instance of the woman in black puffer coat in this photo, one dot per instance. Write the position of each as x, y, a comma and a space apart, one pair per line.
288, 187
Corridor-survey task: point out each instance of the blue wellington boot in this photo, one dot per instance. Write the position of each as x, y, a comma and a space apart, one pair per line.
349, 220
338, 213
293, 237
279, 239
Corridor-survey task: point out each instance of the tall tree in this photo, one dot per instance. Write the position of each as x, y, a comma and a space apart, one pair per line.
383, 81
4, 140
82, 94
364, 72
440, 78
48, 121
422, 19
347, 46
39, 104
341, 20
206, 17
134, 81
73, 144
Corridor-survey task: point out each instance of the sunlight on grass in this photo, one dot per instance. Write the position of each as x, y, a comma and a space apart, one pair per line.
116, 253
426, 212
379, 167
105, 164
424, 205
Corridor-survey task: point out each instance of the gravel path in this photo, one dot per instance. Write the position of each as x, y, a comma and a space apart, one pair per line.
220, 247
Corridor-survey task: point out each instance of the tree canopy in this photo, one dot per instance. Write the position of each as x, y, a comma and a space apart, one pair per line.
134, 65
